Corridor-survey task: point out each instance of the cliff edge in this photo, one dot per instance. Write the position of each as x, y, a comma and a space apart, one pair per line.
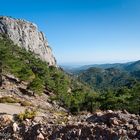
26, 35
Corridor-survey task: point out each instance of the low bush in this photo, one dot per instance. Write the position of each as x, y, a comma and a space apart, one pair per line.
27, 114
8, 99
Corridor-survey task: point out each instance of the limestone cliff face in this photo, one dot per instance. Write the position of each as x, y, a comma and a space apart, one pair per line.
27, 35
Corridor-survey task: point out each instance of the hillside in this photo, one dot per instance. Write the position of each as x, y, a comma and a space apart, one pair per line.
118, 88
135, 66
39, 100
46, 95
107, 78
40, 77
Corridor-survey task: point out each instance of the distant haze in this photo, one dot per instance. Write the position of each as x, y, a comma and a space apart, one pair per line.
78, 64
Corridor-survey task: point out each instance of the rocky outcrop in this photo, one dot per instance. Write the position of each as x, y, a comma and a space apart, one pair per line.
15, 89
26, 35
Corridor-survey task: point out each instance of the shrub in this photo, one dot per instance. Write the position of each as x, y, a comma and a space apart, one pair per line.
8, 99
27, 114
25, 103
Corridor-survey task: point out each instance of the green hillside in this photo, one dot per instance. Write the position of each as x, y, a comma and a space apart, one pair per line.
118, 89
41, 78
135, 66
111, 78
115, 89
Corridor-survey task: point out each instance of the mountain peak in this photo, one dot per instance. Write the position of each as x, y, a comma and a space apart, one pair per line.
26, 35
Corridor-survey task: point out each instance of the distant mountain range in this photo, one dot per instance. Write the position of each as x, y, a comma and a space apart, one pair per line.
135, 66
108, 76
129, 66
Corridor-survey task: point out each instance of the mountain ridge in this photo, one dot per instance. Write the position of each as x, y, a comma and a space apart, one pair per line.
76, 70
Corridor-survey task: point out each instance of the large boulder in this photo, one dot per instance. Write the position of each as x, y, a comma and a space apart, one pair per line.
5, 120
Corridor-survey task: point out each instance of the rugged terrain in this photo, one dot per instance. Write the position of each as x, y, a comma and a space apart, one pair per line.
39, 101
55, 123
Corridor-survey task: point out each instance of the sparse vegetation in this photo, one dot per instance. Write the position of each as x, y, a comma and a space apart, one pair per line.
8, 99
27, 114
25, 103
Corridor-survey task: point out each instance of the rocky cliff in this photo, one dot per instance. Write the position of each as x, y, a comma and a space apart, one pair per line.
26, 35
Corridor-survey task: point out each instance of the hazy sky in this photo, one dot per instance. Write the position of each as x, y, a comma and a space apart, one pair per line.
84, 31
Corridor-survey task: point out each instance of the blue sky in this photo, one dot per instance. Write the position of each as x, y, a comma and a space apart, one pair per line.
84, 31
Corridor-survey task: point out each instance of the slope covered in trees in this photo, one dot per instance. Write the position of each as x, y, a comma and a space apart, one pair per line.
118, 88
115, 89
41, 77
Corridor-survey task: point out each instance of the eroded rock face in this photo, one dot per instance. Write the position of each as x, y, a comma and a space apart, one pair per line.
26, 35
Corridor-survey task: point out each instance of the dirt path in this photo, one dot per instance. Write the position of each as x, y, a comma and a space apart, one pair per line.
11, 108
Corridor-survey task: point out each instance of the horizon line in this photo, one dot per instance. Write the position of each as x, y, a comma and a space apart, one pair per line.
96, 63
